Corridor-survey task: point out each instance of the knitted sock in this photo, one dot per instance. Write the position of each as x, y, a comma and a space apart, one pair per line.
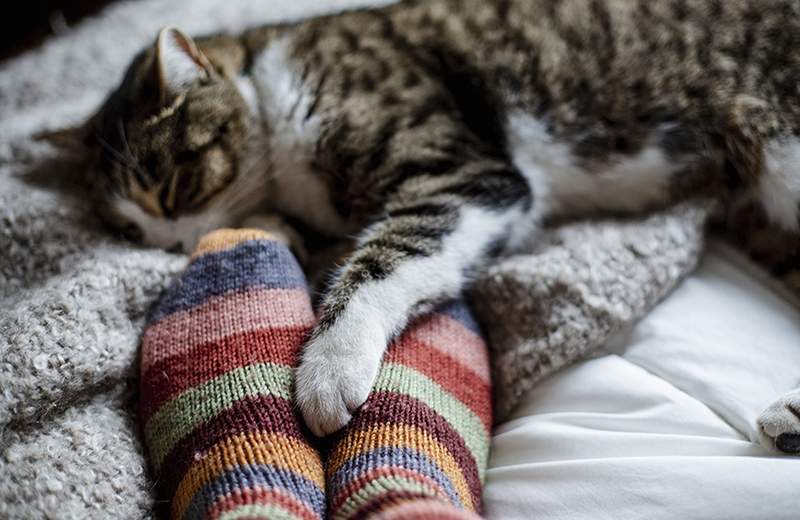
217, 375
418, 448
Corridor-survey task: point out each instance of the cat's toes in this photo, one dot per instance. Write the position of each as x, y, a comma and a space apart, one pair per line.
334, 378
779, 425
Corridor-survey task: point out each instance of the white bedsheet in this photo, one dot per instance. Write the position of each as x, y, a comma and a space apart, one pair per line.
662, 424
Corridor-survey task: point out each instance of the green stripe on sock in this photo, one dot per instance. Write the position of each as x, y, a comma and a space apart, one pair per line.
180, 416
270, 512
404, 380
379, 486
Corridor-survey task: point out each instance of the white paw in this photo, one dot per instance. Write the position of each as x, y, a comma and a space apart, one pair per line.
779, 425
336, 373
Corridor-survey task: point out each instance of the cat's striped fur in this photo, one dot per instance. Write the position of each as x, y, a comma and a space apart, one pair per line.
441, 132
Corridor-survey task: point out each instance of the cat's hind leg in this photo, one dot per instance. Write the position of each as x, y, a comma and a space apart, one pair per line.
778, 187
779, 425
777, 191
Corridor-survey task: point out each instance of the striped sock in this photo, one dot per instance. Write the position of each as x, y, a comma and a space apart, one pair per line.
217, 373
419, 446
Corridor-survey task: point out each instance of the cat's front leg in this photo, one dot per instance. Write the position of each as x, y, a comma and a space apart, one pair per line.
403, 266
779, 425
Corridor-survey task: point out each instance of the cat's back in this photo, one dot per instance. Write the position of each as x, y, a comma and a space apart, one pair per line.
618, 56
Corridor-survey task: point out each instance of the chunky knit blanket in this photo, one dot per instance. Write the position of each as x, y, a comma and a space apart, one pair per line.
73, 300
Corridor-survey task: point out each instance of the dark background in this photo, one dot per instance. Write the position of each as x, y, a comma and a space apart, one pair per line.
29, 22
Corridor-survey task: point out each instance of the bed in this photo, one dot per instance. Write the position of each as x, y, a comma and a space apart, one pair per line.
660, 424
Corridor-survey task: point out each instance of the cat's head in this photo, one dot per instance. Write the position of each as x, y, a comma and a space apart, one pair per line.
172, 147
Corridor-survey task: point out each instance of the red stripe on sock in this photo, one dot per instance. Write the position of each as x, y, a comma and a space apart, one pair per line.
171, 376
451, 337
224, 316
390, 471
385, 500
427, 509
259, 495
461, 382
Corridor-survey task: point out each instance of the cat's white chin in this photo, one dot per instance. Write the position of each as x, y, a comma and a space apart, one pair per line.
178, 235
337, 371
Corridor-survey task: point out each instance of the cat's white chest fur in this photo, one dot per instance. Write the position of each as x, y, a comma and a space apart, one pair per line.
283, 102
562, 185
632, 183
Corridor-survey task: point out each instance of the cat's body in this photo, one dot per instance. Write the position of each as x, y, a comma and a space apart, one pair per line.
441, 132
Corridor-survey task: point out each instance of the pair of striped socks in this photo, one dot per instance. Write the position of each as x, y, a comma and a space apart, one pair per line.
225, 441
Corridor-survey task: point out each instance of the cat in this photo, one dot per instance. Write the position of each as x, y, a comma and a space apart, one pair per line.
441, 133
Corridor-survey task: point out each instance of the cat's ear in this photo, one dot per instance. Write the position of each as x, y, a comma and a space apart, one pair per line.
179, 62
66, 140
70, 140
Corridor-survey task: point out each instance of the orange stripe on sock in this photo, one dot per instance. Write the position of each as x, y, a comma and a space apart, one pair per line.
224, 239
249, 448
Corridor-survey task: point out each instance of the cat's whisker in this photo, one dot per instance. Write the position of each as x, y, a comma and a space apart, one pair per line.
118, 156
133, 162
247, 185
124, 138
235, 198
238, 191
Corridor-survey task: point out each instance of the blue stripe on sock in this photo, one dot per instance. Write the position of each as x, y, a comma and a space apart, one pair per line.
253, 476
459, 311
398, 457
254, 264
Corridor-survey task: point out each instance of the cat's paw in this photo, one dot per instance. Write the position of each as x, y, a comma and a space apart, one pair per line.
779, 425
336, 374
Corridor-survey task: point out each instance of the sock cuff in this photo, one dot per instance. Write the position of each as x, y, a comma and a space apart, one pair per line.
224, 239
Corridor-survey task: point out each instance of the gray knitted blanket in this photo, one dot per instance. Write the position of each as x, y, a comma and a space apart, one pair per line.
73, 300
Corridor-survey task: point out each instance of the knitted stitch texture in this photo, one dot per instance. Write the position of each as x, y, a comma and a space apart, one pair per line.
217, 375
418, 447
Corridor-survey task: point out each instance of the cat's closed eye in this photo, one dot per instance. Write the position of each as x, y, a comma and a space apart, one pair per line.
173, 138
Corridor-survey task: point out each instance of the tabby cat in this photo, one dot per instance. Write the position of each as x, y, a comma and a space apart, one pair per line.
441, 133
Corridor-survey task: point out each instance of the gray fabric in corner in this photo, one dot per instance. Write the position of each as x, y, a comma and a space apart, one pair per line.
73, 300
544, 311
83, 463
71, 311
